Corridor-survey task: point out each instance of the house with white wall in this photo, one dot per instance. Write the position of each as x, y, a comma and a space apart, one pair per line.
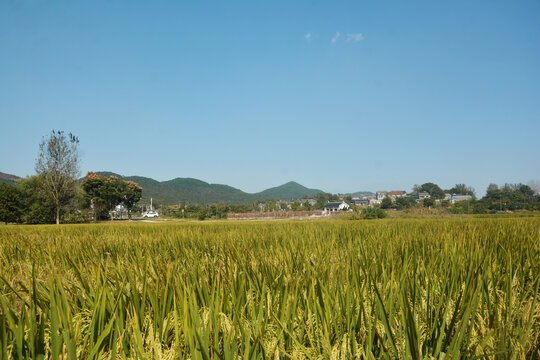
336, 206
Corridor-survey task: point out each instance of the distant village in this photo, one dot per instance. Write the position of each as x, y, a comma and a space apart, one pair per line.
378, 197
365, 200
56, 194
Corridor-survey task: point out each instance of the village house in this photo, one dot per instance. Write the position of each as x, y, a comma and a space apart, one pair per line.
374, 201
360, 202
336, 206
379, 195
458, 197
311, 202
396, 194
453, 198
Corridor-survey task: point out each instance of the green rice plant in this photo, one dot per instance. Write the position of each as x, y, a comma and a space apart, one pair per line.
394, 288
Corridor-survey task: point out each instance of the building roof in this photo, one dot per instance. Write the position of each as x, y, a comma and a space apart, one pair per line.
333, 204
460, 196
396, 193
356, 201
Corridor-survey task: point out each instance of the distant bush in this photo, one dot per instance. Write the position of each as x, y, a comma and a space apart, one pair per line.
369, 213
79, 218
387, 203
202, 214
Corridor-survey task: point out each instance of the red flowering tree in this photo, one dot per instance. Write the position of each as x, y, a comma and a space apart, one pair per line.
131, 194
105, 193
93, 186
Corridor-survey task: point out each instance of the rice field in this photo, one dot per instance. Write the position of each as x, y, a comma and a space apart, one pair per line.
387, 289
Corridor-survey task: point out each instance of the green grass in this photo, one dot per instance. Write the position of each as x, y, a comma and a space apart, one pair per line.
398, 288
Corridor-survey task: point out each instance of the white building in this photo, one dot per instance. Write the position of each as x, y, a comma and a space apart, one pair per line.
381, 195
336, 206
458, 197
373, 202
396, 194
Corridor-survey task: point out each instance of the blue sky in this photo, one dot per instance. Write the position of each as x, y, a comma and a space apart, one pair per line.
341, 96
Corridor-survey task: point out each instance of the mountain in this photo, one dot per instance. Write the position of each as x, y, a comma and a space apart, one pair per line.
290, 190
199, 192
360, 193
193, 191
8, 178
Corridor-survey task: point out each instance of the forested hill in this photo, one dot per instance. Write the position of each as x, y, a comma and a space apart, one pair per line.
193, 191
290, 190
8, 178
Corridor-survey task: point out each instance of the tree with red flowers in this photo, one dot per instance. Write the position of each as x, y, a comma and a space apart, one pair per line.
130, 194
103, 194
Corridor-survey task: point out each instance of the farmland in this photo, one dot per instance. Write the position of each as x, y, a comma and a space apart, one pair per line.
398, 288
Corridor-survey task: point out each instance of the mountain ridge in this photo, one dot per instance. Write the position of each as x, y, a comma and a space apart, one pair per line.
195, 191
360, 193
8, 178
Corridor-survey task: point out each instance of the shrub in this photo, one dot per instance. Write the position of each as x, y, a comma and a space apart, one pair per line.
202, 214
371, 213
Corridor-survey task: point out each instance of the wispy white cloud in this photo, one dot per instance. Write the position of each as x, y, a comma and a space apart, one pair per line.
335, 38
308, 36
355, 37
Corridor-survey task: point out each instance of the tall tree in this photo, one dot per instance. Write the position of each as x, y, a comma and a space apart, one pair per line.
10, 203
38, 208
462, 189
405, 202
433, 190
428, 202
131, 194
492, 187
295, 206
93, 186
104, 193
387, 203
58, 165
535, 186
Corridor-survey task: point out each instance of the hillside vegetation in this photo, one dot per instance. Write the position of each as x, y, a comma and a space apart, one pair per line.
193, 191
8, 178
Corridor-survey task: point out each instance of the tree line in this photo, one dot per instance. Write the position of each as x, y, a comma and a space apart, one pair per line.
509, 197
55, 194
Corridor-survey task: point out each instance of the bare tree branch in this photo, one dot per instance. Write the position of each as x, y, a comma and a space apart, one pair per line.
58, 164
